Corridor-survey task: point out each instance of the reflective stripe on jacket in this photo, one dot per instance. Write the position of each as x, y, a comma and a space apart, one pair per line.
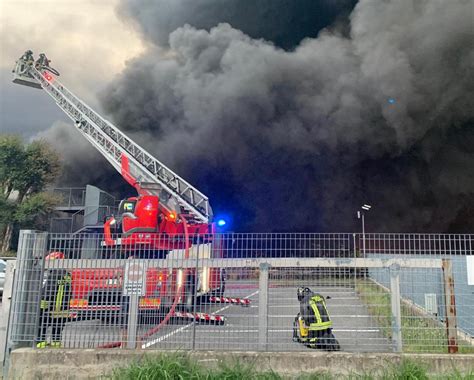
318, 305
56, 294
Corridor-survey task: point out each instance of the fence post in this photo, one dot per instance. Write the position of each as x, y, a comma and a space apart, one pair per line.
396, 310
354, 245
32, 247
132, 321
195, 296
450, 302
26, 292
263, 307
5, 306
134, 287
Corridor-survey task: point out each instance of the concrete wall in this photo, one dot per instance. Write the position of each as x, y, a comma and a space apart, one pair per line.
27, 363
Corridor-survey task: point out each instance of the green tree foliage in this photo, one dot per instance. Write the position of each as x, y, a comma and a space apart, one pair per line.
25, 171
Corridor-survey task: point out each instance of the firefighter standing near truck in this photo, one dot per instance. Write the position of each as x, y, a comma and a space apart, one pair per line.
313, 326
54, 305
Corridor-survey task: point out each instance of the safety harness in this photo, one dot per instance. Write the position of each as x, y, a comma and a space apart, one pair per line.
60, 301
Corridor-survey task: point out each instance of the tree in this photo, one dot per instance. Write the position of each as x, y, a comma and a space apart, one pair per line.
25, 171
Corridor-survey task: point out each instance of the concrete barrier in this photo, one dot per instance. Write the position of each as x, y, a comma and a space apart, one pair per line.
27, 363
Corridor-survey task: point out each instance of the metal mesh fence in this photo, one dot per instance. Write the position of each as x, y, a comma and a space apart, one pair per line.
71, 196
238, 292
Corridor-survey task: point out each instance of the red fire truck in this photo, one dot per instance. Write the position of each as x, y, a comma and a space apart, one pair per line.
168, 218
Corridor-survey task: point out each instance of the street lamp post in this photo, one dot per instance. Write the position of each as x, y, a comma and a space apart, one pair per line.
361, 215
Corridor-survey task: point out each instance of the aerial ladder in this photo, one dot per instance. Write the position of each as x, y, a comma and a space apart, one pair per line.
179, 208
181, 203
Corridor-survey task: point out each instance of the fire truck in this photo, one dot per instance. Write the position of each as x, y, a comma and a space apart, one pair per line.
168, 218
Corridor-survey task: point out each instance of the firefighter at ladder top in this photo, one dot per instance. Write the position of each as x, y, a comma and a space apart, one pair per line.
312, 325
54, 305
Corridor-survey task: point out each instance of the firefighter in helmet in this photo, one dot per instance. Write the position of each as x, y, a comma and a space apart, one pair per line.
312, 325
42, 61
28, 57
54, 305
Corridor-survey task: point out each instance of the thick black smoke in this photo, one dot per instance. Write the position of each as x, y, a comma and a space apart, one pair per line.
379, 110
81, 163
284, 22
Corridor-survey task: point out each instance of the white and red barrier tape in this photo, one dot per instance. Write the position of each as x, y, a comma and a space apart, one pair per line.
200, 316
240, 301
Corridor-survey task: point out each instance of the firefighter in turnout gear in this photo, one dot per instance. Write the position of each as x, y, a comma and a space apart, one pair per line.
54, 305
313, 326
28, 57
42, 61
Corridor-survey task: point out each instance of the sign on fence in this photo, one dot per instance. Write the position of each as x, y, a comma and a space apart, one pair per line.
134, 279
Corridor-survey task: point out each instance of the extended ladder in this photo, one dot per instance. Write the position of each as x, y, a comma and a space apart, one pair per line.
113, 144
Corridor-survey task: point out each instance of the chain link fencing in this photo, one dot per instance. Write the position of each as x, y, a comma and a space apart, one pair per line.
402, 293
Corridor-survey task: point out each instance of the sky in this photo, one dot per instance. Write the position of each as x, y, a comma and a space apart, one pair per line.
288, 114
85, 40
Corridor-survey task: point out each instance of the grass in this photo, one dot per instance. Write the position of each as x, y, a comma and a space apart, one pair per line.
419, 334
182, 367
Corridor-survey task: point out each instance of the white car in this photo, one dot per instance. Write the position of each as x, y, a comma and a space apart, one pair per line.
3, 266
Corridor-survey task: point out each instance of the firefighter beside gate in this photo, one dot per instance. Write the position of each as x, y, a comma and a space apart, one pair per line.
313, 326
54, 305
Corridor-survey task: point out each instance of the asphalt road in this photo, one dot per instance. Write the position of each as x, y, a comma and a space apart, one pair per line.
355, 329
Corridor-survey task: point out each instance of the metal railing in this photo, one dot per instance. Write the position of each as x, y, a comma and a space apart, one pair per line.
238, 291
71, 197
89, 216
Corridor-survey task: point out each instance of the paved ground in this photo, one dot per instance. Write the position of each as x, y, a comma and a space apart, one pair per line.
353, 326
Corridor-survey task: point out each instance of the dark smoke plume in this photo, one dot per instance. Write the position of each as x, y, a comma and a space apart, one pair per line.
81, 163
284, 22
295, 134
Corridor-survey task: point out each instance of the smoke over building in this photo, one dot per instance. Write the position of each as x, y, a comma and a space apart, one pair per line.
293, 125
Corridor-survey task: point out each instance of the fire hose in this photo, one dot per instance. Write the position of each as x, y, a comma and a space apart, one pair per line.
178, 293
50, 69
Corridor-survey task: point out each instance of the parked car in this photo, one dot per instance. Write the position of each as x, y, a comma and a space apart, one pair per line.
3, 266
